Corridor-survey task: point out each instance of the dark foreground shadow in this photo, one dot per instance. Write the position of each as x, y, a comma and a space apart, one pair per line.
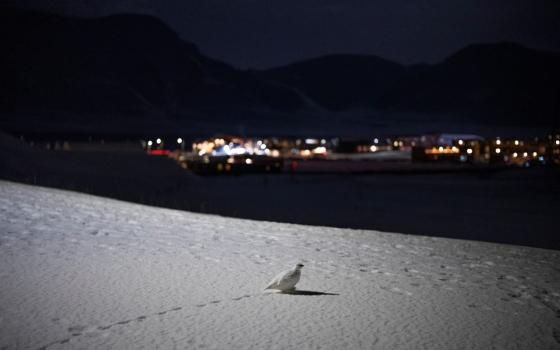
306, 292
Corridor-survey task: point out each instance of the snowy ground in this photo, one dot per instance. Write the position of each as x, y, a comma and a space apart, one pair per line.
78, 271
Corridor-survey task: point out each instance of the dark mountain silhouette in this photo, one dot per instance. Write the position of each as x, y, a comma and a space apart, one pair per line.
114, 64
339, 82
500, 83
131, 64
123, 69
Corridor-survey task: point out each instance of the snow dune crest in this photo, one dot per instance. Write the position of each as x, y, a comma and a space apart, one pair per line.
79, 271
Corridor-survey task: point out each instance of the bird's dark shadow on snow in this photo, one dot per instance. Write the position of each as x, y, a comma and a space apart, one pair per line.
306, 292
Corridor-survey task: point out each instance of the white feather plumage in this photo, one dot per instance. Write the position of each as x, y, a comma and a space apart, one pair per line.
286, 280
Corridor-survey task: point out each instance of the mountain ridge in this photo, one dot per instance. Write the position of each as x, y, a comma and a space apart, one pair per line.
495, 82
131, 68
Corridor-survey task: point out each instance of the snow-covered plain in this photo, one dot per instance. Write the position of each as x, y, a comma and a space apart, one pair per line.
78, 271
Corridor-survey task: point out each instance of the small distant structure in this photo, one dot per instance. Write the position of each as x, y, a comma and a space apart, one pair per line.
234, 154
452, 139
451, 148
163, 145
552, 153
516, 151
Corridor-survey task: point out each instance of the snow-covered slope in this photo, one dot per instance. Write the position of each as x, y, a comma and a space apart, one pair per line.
78, 271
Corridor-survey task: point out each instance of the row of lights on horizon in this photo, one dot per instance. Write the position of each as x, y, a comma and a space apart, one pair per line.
375, 141
498, 150
374, 148
469, 151
159, 141
519, 143
515, 154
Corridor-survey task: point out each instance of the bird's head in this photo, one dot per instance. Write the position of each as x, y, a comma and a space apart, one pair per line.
299, 266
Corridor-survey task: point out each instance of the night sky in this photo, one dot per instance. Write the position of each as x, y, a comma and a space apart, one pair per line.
262, 34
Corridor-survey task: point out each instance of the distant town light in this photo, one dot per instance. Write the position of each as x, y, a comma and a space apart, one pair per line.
320, 150
248, 161
373, 148
235, 150
231, 160
498, 142
557, 142
158, 141
498, 150
311, 141
469, 150
150, 143
524, 154
275, 153
376, 140
516, 142
179, 140
514, 154
535, 154
442, 150
461, 142
396, 143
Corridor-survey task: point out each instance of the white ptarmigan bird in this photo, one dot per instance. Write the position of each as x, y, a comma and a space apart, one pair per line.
286, 280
